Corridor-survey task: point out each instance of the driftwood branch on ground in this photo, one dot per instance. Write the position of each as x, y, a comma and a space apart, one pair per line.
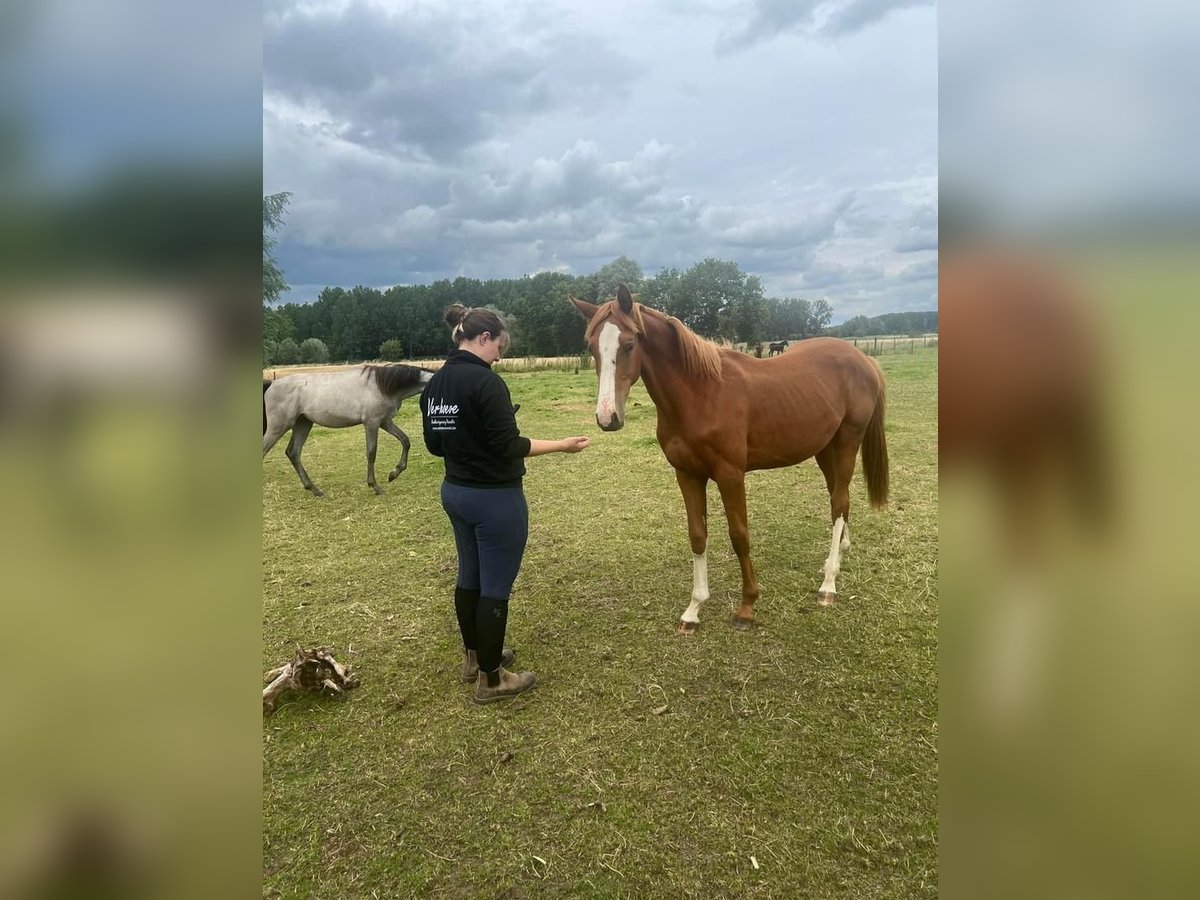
314, 671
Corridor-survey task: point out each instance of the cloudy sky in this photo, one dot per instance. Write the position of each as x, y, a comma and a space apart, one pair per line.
426, 140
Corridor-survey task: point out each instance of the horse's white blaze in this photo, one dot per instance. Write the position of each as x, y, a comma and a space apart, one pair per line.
699, 587
834, 562
606, 402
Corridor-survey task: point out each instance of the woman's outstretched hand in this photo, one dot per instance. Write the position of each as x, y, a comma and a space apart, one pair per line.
565, 445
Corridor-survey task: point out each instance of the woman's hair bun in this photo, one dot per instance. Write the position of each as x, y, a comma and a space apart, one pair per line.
455, 313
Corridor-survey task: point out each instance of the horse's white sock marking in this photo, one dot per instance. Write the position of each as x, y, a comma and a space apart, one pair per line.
834, 562
845, 545
699, 587
606, 403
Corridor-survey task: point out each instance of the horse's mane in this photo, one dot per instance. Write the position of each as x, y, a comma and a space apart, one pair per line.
394, 379
701, 358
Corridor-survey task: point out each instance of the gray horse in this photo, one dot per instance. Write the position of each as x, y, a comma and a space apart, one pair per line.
365, 395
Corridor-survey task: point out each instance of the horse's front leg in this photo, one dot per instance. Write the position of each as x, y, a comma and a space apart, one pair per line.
733, 495
295, 447
394, 430
372, 445
695, 499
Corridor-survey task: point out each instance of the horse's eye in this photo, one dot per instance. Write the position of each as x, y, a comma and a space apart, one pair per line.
629, 347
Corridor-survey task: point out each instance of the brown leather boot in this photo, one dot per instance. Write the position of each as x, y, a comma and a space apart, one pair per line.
509, 684
470, 669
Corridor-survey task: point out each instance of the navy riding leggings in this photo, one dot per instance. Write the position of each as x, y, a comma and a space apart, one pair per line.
491, 526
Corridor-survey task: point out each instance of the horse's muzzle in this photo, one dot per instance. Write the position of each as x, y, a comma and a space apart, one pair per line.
614, 424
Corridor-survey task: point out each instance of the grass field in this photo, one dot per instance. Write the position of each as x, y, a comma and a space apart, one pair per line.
796, 760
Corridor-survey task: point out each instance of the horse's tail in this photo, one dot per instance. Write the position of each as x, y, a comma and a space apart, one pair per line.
267, 382
874, 448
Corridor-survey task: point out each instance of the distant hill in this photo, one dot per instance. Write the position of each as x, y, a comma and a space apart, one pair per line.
888, 323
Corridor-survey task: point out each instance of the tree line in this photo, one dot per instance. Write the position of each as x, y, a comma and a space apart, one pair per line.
908, 323
714, 298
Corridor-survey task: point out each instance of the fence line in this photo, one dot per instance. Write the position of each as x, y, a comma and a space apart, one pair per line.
875, 346
582, 362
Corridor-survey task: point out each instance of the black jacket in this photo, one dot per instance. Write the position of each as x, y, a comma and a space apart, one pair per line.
468, 419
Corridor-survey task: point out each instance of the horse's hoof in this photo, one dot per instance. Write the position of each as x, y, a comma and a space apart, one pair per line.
687, 628
393, 475
826, 598
316, 491
377, 489
741, 624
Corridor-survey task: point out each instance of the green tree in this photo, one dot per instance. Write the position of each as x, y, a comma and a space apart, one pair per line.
705, 296
287, 353
278, 324
657, 291
621, 270
820, 314
857, 327
392, 350
714, 297
313, 350
548, 321
748, 313
790, 317
274, 283
270, 348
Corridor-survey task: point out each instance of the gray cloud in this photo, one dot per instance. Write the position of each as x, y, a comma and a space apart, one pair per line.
853, 15
588, 208
763, 20
869, 289
432, 81
921, 231
424, 142
823, 274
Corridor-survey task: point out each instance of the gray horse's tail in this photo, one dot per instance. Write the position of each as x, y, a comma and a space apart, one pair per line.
267, 382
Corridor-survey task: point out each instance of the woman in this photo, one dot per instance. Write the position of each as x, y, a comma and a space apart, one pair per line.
470, 422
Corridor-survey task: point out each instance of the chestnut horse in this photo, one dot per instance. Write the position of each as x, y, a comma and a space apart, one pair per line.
722, 413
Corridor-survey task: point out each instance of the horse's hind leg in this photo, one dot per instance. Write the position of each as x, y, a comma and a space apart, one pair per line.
733, 495
295, 446
837, 463
372, 445
825, 459
394, 430
272, 436
274, 427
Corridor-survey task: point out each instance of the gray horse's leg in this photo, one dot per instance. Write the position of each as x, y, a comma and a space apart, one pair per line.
394, 430
372, 444
299, 435
271, 438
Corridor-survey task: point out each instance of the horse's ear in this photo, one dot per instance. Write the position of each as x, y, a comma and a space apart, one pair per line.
587, 310
624, 299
